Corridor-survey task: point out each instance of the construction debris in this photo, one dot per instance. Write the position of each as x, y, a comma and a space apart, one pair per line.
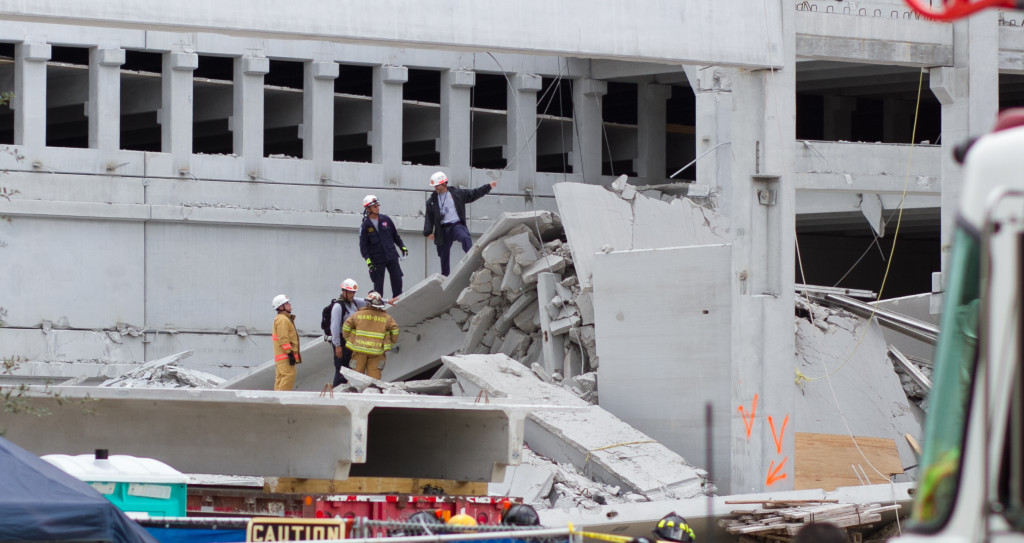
164, 373
789, 520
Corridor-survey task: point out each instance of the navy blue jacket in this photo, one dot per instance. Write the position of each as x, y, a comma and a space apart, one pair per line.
460, 197
379, 244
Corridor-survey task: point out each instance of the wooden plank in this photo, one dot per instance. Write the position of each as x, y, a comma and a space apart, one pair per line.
374, 485
824, 460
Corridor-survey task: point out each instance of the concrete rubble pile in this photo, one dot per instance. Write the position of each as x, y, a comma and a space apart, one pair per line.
164, 373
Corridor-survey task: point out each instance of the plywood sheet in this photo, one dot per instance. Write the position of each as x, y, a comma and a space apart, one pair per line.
827, 461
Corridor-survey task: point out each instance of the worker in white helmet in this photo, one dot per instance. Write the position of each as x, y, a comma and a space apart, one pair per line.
445, 220
345, 306
286, 344
379, 243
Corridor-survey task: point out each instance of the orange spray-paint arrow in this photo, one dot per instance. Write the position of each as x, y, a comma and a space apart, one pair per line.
749, 422
777, 438
773, 472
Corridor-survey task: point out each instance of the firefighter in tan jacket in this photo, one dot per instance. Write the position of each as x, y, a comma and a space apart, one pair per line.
370, 333
286, 344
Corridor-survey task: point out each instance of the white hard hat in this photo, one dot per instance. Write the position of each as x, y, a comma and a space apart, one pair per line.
438, 178
370, 200
374, 300
280, 300
349, 285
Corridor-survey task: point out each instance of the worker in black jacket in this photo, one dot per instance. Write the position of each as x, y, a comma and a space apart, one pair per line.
378, 239
445, 220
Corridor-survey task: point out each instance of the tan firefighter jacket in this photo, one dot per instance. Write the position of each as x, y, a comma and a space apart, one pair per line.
286, 338
371, 331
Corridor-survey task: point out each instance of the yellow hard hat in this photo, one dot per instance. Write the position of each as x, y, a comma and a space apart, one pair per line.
462, 519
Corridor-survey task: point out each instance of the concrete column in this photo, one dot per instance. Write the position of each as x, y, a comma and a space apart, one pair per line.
650, 130
246, 122
30, 93
838, 117
386, 137
318, 115
587, 129
712, 88
454, 144
763, 230
176, 112
969, 94
520, 124
104, 108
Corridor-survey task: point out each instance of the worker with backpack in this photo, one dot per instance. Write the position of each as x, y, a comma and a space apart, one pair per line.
331, 320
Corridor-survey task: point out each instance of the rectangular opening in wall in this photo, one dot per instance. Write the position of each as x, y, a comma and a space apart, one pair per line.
846, 101
282, 110
619, 129
554, 125
680, 132
6, 92
353, 113
421, 117
141, 99
212, 105
67, 92
489, 115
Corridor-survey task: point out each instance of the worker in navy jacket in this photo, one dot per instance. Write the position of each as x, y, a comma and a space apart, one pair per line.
445, 220
379, 244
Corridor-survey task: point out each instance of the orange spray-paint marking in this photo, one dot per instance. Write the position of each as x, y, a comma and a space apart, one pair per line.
773, 472
749, 422
777, 438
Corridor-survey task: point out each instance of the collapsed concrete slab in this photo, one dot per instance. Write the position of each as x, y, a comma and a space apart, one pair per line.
315, 371
570, 430
420, 347
280, 434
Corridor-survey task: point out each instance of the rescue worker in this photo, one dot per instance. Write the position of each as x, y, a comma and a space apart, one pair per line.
346, 306
378, 239
673, 527
286, 344
370, 333
445, 220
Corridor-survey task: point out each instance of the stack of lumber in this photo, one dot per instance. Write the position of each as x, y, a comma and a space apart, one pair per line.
785, 518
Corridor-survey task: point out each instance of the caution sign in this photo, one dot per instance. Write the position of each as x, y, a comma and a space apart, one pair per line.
294, 529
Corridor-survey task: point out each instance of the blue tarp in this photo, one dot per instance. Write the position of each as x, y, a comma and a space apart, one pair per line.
39, 502
196, 535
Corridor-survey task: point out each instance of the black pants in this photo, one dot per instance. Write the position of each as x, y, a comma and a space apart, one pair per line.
377, 276
346, 355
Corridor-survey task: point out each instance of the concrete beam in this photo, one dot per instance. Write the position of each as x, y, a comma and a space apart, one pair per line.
648, 35
279, 434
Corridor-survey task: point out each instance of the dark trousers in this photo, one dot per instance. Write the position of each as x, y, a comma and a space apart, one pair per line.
452, 233
394, 270
346, 355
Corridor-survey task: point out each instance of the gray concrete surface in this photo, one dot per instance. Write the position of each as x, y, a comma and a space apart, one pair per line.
287, 434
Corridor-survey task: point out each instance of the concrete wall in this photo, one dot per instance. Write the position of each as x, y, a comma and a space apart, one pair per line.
664, 323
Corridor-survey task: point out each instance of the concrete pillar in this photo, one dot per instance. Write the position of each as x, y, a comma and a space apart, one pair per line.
246, 122
104, 108
454, 144
969, 94
763, 230
318, 115
176, 112
386, 137
587, 130
838, 117
650, 130
520, 124
30, 93
712, 89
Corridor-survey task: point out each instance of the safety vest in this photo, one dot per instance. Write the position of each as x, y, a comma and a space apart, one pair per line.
371, 331
286, 338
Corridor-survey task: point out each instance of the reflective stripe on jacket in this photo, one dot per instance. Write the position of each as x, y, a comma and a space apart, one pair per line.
286, 338
371, 331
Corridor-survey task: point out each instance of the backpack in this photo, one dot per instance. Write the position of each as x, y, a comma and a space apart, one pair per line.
325, 320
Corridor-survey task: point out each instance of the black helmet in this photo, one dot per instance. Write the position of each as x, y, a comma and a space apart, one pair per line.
673, 527
520, 515
423, 517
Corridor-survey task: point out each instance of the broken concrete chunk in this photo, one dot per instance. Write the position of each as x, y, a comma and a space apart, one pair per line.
620, 184
571, 282
562, 326
459, 315
585, 303
480, 281
515, 343
507, 318
586, 382
478, 326
489, 339
528, 320
553, 246
538, 370
512, 282
496, 252
524, 252
472, 301
628, 192
550, 263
